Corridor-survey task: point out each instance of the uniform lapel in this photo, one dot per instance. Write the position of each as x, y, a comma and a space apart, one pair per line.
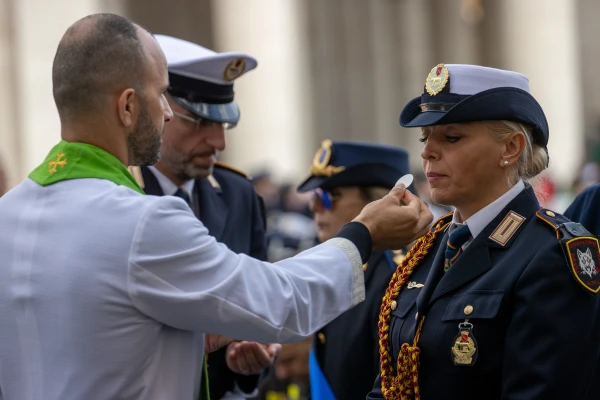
472, 263
151, 185
434, 276
476, 259
213, 209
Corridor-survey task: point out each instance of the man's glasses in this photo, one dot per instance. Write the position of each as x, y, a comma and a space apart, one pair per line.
203, 122
326, 198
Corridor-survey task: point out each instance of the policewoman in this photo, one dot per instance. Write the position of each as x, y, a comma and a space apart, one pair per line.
345, 177
508, 308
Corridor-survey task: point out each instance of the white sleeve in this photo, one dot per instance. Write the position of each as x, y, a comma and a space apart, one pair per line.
182, 277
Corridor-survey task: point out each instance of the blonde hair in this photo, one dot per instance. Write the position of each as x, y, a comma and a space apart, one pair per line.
534, 158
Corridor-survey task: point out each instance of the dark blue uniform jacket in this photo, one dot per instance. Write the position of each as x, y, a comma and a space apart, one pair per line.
537, 329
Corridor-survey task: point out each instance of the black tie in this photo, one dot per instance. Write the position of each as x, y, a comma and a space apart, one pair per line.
182, 194
459, 236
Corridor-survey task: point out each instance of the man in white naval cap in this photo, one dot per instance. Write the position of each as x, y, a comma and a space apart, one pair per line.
201, 97
106, 293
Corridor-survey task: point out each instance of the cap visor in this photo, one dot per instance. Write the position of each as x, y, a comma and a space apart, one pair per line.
311, 183
227, 113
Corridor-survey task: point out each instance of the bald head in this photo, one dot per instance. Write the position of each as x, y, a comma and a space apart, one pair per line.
98, 56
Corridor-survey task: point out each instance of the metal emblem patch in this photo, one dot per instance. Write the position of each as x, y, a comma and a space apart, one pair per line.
437, 79
321, 160
234, 69
464, 349
507, 228
583, 257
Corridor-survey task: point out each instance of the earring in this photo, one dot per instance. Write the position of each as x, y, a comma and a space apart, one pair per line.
505, 163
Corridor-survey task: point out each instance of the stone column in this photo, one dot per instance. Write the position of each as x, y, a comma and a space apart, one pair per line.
540, 40
10, 143
275, 124
27, 53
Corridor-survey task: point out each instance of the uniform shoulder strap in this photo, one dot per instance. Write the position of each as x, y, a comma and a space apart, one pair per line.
580, 248
219, 164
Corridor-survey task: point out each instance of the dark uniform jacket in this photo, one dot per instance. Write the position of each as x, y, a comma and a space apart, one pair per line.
347, 348
234, 214
537, 330
585, 209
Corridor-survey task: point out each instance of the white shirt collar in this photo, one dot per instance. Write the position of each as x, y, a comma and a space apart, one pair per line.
478, 221
169, 188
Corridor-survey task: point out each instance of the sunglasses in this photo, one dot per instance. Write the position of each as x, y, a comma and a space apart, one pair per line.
326, 198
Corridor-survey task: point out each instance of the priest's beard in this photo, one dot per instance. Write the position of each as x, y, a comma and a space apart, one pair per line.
145, 140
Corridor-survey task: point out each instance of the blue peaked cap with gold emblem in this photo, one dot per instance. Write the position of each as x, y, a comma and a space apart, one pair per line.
346, 163
457, 93
201, 80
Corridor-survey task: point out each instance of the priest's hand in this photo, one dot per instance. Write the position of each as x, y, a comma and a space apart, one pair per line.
396, 220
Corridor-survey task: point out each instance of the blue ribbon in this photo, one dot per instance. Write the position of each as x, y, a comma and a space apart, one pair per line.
319, 387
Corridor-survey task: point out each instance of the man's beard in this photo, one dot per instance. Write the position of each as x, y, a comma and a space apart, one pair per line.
183, 165
145, 140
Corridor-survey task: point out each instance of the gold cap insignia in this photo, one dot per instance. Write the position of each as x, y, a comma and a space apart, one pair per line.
437, 79
234, 69
322, 157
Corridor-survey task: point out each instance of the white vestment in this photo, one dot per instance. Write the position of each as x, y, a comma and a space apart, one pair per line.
106, 293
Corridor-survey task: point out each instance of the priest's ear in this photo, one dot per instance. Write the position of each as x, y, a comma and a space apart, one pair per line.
128, 107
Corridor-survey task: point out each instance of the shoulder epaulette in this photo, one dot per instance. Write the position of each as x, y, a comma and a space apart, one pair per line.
230, 168
580, 248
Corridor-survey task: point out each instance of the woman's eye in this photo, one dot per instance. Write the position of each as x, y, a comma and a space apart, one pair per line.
452, 139
423, 139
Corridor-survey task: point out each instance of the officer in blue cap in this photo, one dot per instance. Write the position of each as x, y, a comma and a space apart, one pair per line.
344, 177
201, 95
508, 300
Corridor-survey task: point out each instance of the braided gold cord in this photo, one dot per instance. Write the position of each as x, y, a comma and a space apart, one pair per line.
405, 385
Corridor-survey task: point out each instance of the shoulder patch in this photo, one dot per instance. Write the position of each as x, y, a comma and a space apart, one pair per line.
583, 257
580, 248
230, 168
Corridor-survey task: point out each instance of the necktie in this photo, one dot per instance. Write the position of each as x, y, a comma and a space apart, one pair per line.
182, 194
456, 239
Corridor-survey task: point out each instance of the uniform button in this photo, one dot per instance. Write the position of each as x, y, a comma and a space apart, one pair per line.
417, 316
550, 214
468, 309
321, 337
394, 305
364, 267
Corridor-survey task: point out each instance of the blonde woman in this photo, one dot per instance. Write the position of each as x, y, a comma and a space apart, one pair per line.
509, 306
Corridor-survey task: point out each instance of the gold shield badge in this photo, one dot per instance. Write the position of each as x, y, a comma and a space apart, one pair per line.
464, 350
437, 79
234, 69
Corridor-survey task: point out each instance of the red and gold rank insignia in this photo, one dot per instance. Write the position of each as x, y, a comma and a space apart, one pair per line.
583, 257
437, 79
